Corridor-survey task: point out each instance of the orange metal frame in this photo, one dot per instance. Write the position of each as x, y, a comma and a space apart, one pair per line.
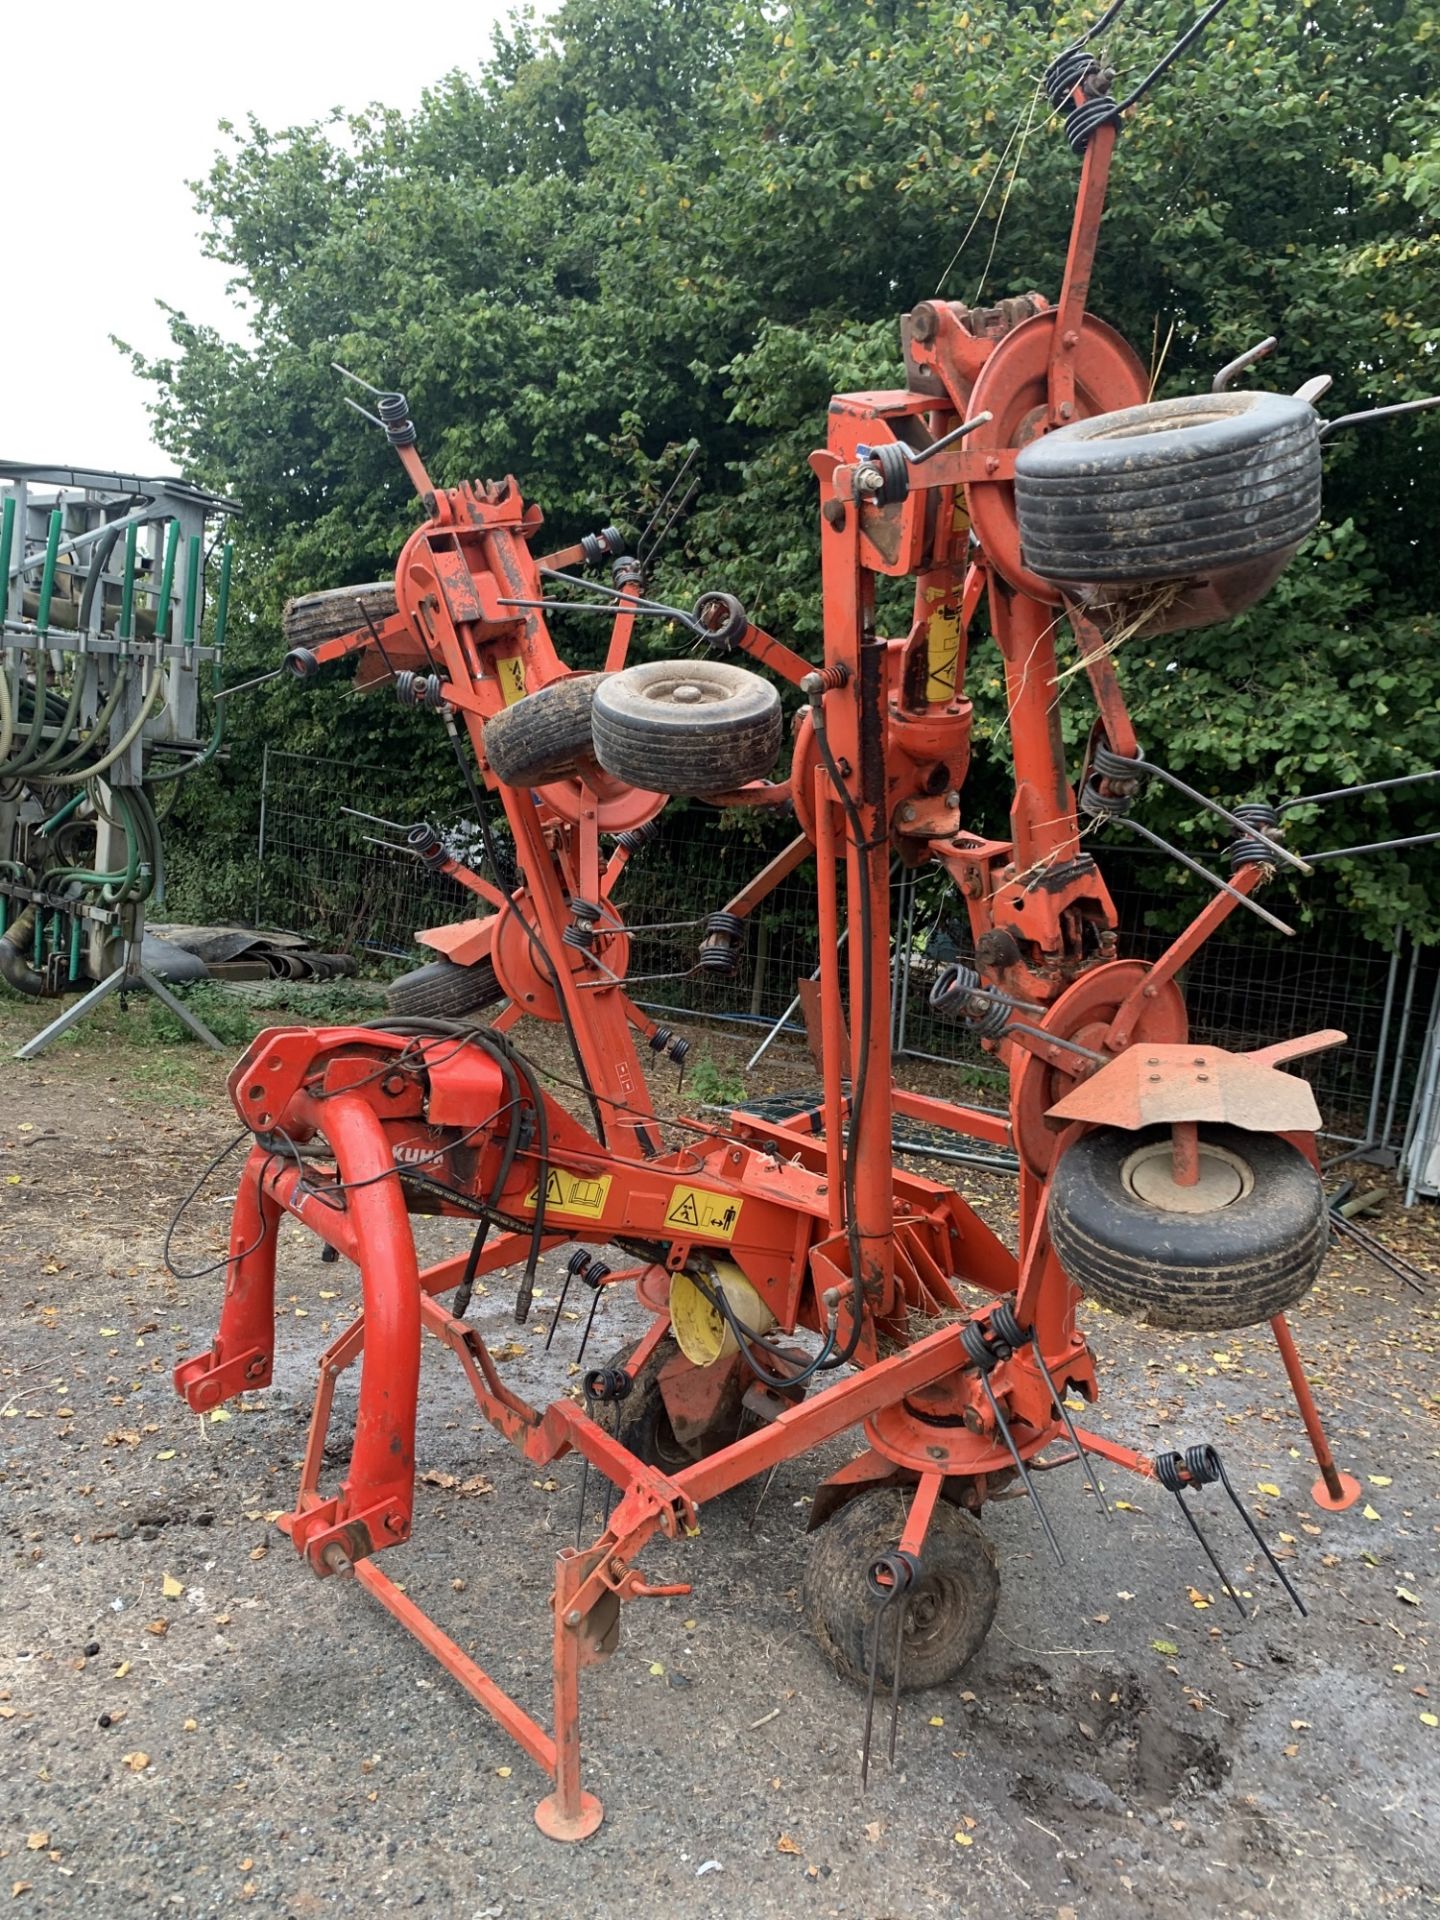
881, 1262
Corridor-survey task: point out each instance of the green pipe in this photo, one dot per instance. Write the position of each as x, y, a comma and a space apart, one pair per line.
39, 955
192, 589
59, 819
74, 948
7, 541
4, 913
222, 598
47, 578
101, 722
148, 704
79, 673
127, 588
167, 580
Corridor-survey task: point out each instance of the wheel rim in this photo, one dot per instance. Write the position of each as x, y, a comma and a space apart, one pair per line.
937, 1614
1148, 1175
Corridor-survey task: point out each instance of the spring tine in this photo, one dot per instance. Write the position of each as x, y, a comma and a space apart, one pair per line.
1194, 1526
1003, 1426
901, 1605
750, 1528
1194, 866
559, 1308
585, 1337
1232, 820
685, 466
1064, 1413
870, 1700
677, 514
1260, 1540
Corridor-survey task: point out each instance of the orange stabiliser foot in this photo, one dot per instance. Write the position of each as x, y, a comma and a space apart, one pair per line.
556, 1825
1336, 1491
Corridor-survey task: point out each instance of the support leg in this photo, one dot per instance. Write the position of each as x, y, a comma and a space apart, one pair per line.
1333, 1489
568, 1813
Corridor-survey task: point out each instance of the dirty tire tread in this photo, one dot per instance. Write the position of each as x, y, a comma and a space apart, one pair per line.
1170, 490
1193, 1273
695, 752
640, 1421
442, 989
545, 735
312, 617
957, 1559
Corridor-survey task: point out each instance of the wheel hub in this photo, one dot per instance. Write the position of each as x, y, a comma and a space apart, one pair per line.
1149, 1175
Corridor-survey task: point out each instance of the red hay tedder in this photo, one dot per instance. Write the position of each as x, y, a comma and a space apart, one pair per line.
1022, 466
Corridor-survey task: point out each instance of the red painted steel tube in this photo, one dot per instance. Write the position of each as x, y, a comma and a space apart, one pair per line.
382, 1465
244, 1347
832, 1021
1341, 1489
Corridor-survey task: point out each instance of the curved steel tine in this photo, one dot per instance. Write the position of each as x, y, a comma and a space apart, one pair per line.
559, 1307
1232, 820
1194, 866
1003, 1427
585, 1337
1209, 1552
1241, 361
1260, 1540
1064, 1413
870, 1698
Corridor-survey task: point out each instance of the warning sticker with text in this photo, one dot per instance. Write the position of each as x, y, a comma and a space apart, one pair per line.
577, 1193
715, 1214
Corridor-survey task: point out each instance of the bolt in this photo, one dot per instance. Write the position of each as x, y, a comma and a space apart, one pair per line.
572, 1619
395, 1521
256, 1368
907, 812
1154, 1079
1066, 411
952, 799
1202, 1076
1070, 337
833, 513
334, 1559
992, 463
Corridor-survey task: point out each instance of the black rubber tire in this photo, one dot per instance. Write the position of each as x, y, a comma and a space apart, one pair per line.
546, 735
1194, 1272
640, 1421
1171, 490
687, 726
442, 989
952, 1603
313, 617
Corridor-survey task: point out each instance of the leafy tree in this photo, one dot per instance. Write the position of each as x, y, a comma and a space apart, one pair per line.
647, 222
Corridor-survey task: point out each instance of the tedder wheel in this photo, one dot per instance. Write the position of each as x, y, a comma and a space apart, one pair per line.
1170, 490
951, 1606
1241, 1245
687, 726
442, 989
545, 735
640, 1421
314, 617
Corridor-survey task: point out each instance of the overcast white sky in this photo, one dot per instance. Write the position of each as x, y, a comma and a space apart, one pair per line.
109, 113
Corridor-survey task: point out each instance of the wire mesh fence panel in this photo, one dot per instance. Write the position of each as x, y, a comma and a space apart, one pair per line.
325, 869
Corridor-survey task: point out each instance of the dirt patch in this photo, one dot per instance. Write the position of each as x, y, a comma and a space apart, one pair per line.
1122, 1745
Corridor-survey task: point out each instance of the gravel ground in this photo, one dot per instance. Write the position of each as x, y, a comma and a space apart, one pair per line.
190, 1722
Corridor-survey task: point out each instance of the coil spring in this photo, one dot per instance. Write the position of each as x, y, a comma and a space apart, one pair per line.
606, 1384
1196, 1467
1065, 72
607, 544
720, 948
1082, 121
578, 1261
661, 1039
724, 619
394, 412
629, 572
584, 909
634, 838
1006, 1329
1249, 850
888, 463
977, 1346
580, 935
418, 690
1106, 764
892, 1574
954, 996
680, 1050
595, 1273
426, 842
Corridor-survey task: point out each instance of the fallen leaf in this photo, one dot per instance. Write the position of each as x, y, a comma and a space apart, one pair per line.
786, 1845
435, 1478
1165, 1646
19, 1886
1268, 1486
220, 1413
191, 1726
504, 1772
159, 1628
171, 1587
964, 1839
936, 1721
1300, 1726
1410, 1599
122, 1669
168, 1454
1125, 1507
1368, 1512
258, 1553
656, 1667
137, 1761
1290, 1752
36, 1842
1429, 1720
1379, 1480
872, 1830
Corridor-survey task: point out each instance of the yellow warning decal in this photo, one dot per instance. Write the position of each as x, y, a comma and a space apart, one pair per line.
578, 1193
714, 1214
511, 674
942, 654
